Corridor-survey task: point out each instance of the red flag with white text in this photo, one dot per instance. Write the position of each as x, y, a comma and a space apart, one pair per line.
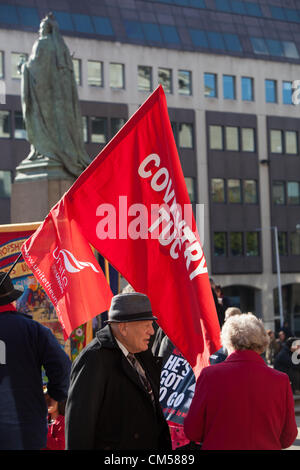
132, 205
63, 262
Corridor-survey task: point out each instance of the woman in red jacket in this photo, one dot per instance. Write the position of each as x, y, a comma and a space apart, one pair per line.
241, 403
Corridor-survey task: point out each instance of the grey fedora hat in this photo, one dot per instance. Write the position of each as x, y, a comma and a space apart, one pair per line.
131, 306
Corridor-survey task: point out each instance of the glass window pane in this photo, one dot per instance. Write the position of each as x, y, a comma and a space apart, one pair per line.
217, 190
210, 85
16, 59
275, 47
98, 130
190, 185
134, 30
199, 38
5, 183
77, 70
95, 73
5, 126
29, 16
116, 124
83, 23
278, 192
234, 191
169, 34
271, 91
64, 20
185, 135
8, 14
276, 141
236, 243
102, 25
252, 248
287, 92
216, 137
215, 40
232, 42
253, 9
228, 87
291, 144
165, 79
232, 138
259, 46
184, 82
85, 128
247, 89
282, 243
248, 139
220, 244
293, 192
250, 191
116, 75
20, 131
144, 78
290, 49
238, 7
1, 64
152, 32
295, 243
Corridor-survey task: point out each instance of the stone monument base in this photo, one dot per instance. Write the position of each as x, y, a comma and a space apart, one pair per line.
38, 186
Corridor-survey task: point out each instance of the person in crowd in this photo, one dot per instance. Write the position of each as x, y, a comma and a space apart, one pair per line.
113, 401
272, 349
221, 354
241, 403
219, 308
56, 425
284, 362
28, 346
282, 338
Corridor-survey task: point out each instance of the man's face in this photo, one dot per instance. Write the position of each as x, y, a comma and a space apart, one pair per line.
136, 335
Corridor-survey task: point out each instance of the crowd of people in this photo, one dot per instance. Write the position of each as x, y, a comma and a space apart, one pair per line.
108, 398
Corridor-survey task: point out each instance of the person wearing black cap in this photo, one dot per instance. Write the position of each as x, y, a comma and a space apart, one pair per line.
26, 347
113, 400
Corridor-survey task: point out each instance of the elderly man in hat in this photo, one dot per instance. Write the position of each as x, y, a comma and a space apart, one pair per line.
26, 346
113, 401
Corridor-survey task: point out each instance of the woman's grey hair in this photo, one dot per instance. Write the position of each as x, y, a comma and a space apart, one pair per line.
244, 331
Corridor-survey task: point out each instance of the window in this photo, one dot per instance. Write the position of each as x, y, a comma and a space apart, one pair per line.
232, 42
16, 59
144, 78
5, 126
165, 79
184, 82
8, 14
169, 34
83, 23
278, 192
102, 25
236, 243
85, 128
295, 243
152, 32
290, 49
199, 38
234, 195
252, 244
228, 87
247, 89
216, 137
190, 185
64, 20
220, 244
1, 64
250, 191
210, 85
259, 46
98, 130
293, 192
287, 92
271, 91
116, 125
116, 76
29, 16
5, 184
276, 141
215, 40
291, 142
134, 30
185, 135
218, 190
232, 138
95, 73
20, 131
282, 243
275, 47
77, 70
248, 139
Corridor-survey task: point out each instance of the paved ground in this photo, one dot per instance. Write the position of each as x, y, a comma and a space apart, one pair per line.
296, 445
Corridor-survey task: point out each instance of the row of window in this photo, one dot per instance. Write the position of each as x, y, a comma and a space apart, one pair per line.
234, 191
286, 192
247, 88
232, 138
247, 243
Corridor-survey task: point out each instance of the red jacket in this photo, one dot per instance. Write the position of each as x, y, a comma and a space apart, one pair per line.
242, 404
56, 434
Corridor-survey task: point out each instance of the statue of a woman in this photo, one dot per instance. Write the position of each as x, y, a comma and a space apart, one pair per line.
50, 102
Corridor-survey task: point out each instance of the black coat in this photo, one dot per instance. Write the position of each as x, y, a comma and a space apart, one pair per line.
107, 406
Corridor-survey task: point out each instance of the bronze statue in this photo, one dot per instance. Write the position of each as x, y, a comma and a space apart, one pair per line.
50, 102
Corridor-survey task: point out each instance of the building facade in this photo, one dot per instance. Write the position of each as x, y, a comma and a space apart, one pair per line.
228, 68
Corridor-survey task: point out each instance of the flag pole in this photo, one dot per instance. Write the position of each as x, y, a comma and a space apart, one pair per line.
11, 268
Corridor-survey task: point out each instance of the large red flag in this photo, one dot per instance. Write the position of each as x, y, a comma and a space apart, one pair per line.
64, 264
130, 205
